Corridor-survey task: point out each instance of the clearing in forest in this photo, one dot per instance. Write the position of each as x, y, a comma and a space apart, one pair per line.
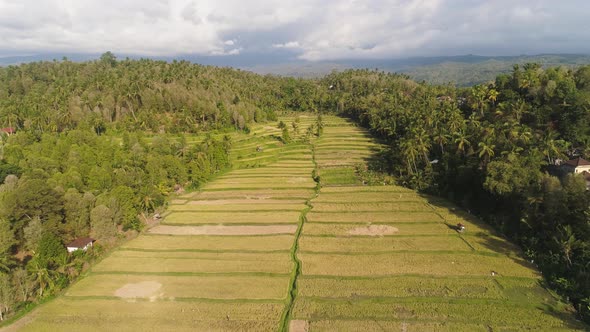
261, 248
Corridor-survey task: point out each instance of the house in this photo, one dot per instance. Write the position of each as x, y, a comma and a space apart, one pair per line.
577, 165
8, 131
81, 243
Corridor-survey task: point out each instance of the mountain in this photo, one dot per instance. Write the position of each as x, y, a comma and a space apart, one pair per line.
461, 70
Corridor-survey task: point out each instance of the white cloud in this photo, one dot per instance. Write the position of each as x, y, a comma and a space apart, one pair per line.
312, 29
291, 44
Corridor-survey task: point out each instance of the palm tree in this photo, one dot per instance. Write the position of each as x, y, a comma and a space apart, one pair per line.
410, 152
42, 276
567, 242
461, 139
486, 151
441, 138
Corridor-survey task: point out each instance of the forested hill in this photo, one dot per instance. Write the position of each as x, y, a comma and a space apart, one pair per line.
99, 145
138, 95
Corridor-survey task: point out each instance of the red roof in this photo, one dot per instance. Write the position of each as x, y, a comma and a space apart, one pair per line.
8, 130
578, 162
80, 242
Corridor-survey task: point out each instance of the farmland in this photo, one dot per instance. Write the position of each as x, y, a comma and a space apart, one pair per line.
264, 248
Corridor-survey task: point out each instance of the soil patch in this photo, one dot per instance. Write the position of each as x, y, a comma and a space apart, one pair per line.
373, 230
224, 230
144, 289
298, 180
298, 326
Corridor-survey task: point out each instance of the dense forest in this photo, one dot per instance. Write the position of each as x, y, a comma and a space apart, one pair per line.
80, 164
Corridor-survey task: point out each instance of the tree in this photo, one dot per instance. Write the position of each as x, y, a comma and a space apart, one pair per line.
22, 284
109, 59
33, 233
7, 241
102, 222
43, 276
7, 298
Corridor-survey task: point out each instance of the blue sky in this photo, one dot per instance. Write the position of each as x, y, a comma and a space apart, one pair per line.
298, 29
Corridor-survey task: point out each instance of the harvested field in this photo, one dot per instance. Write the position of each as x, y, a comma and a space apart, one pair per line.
154, 242
464, 311
366, 197
162, 264
410, 325
260, 194
428, 263
373, 230
236, 207
368, 229
171, 287
373, 217
196, 218
302, 184
248, 202
68, 314
402, 287
370, 189
370, 207
382, 244
216, 255
223, 230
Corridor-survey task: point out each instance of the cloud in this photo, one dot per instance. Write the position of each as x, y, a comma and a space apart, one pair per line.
291, 44
309, 29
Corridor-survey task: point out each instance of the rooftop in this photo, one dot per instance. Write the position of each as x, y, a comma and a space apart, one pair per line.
80, 242
578, 162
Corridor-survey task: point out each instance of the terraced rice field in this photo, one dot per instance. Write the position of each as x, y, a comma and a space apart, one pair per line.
262, 248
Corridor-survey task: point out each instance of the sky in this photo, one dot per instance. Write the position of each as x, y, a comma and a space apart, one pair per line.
311, 30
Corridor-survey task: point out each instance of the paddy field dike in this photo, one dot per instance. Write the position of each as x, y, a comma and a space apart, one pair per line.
290, 239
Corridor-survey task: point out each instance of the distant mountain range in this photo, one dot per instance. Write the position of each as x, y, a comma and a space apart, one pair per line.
462, 70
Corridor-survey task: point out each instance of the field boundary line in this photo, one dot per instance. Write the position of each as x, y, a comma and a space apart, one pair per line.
292, 293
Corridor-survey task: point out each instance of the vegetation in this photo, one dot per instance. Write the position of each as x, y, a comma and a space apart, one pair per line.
492, 149
101, 145
98, 148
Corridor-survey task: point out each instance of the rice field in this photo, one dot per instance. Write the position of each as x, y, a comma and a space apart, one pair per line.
264, 248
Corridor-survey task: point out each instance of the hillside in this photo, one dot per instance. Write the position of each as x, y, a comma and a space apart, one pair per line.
264, 247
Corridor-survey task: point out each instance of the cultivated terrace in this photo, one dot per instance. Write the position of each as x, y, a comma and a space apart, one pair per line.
218, 199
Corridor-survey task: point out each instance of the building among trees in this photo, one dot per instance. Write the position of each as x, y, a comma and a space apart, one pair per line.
81, 243
578, 165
